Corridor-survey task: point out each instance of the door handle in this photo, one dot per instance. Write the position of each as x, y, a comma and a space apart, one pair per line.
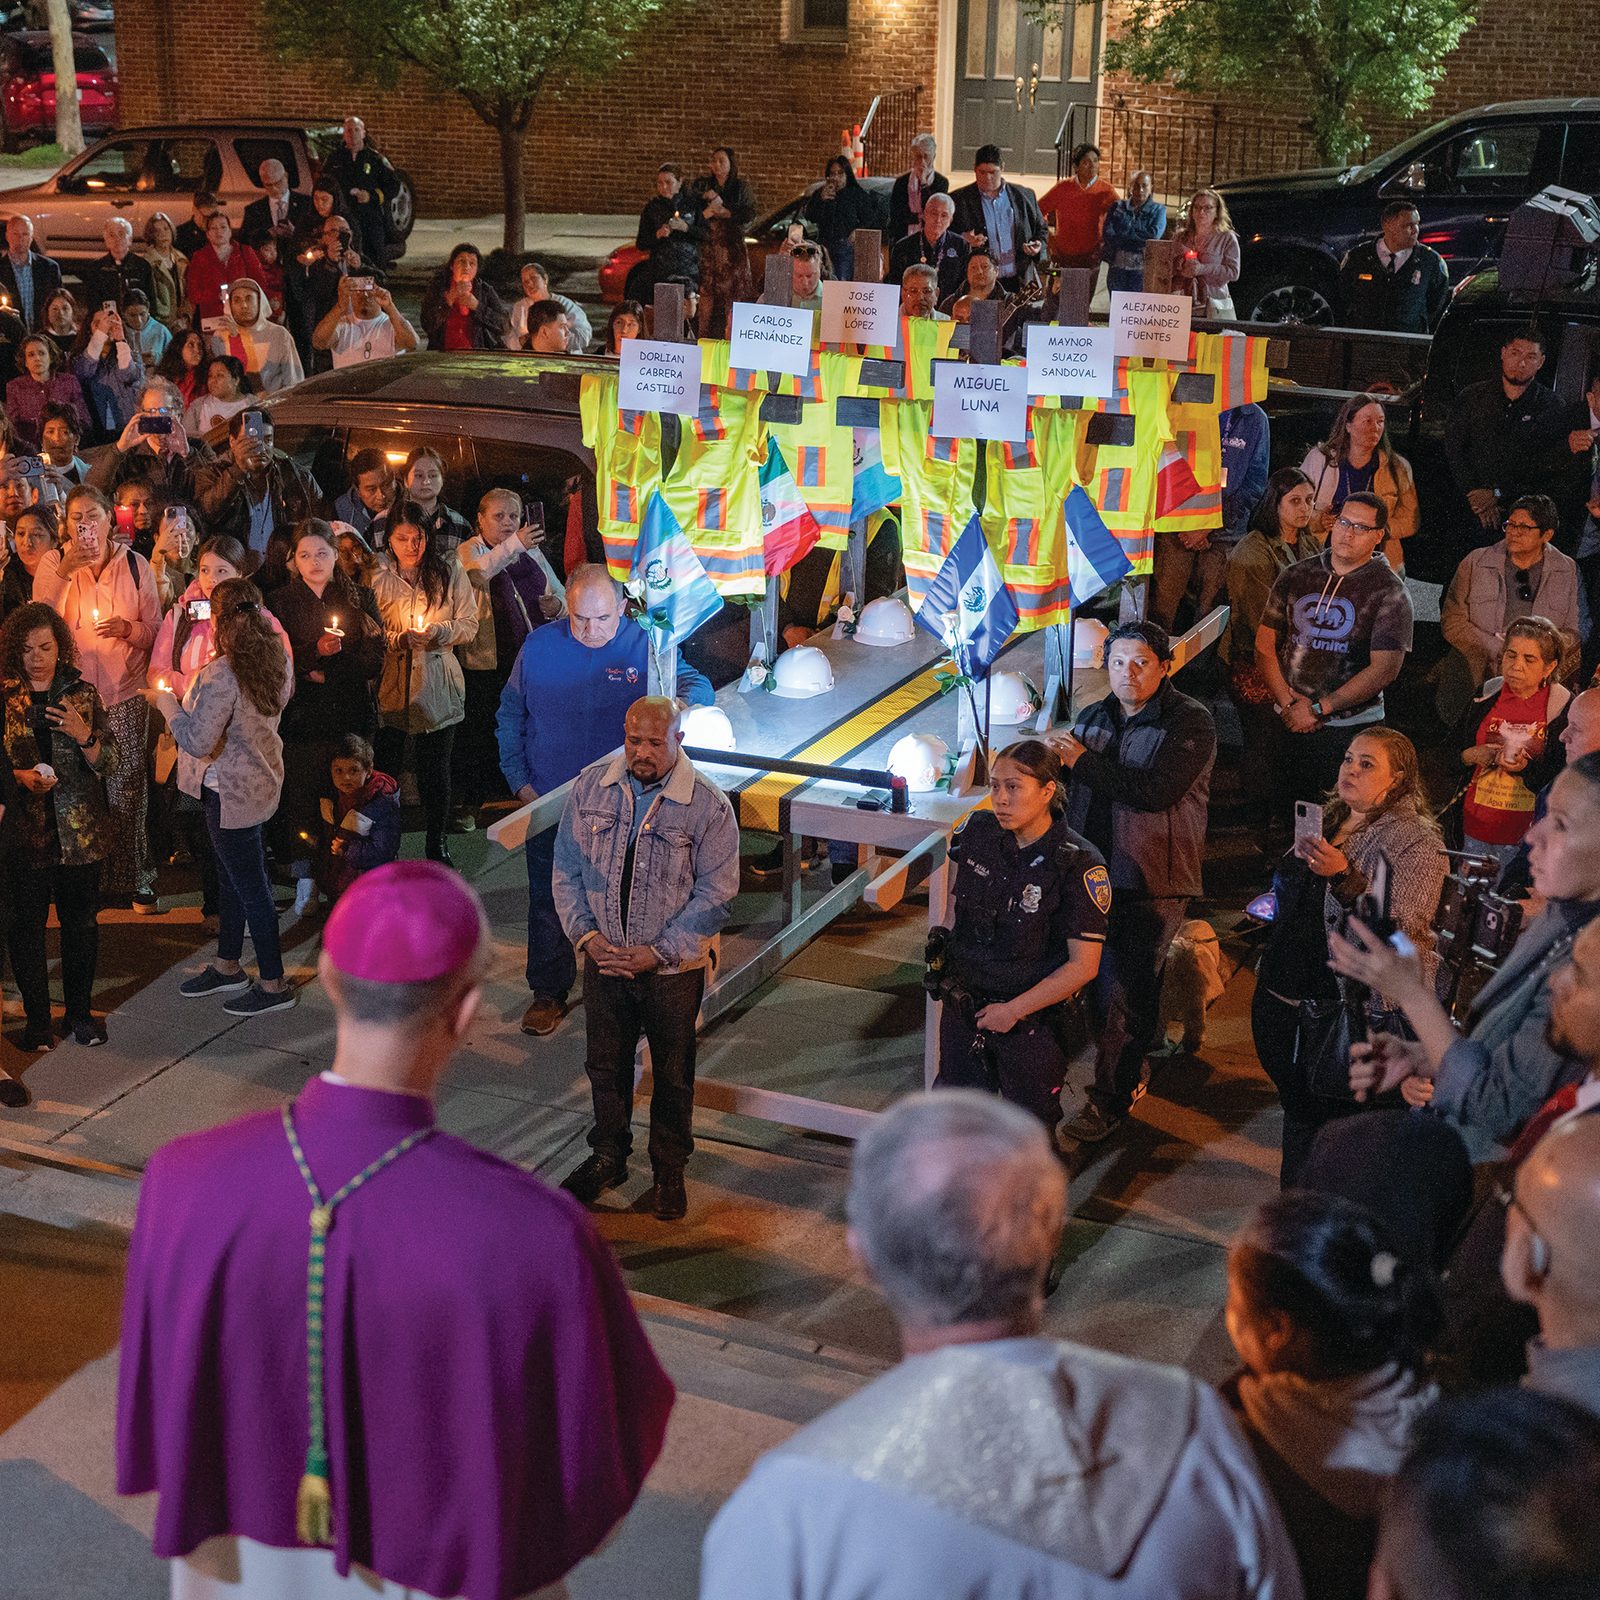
121, 205
1020, 87
1033, 88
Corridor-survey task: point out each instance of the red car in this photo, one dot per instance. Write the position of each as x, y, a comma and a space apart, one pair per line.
28, 88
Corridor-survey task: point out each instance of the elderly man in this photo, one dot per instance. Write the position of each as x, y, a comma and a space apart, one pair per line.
488, 1406
369, 184
118, 270
280, 213
27, 278
993, 1461
1002, 219
919, 294
646, 867
933, 245
1141, 764
912, 188
561, 709
153, 448
1394, 282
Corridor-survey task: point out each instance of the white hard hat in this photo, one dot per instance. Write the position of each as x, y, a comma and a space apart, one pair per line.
885, 622
801, 673
1012, 699
920, 759
707, 728
1089, 642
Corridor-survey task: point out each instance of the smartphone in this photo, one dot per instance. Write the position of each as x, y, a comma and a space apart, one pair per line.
533, 514
26, 466
199, 610
362, 285
109, 307
155, 422
1307, 820
254, 425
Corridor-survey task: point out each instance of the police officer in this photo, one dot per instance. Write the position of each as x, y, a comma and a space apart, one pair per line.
1031, 898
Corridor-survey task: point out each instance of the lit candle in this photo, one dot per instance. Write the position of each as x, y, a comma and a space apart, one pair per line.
163, 686
419, 623
334, 629
97, 614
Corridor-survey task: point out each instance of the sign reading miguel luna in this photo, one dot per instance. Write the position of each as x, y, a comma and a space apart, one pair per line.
979, 402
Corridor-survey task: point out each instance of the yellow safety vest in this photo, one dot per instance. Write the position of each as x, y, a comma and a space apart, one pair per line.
714, 489
1121, 479
820, 453
936, 477
1027, 486
627, 455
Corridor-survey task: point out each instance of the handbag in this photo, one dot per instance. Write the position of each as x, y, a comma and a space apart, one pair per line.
1219, 307
1322, 1047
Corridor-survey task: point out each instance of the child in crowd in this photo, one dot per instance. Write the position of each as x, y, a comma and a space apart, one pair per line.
271, 276
360, 819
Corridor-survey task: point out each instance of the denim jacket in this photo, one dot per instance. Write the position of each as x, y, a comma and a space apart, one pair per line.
685, 867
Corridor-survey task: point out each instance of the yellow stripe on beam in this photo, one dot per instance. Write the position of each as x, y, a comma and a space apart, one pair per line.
759, 804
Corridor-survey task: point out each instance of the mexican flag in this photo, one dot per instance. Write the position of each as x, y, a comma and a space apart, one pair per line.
788, 530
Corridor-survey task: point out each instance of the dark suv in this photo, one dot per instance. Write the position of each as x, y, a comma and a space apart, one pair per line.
1465, 175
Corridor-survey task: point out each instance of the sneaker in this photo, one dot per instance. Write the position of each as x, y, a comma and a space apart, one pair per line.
38, 1038
87, 1031
210, 981
593, 1176
668, 1199
464, 821
13, 1093
256, 1002
146, 903
1092, 1124
544, 1015
305, 896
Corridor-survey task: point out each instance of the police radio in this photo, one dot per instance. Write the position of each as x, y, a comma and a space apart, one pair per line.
1475, 930
1372, 908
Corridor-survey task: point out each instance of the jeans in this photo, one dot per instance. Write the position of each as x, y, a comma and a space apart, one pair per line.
431, 753
552, 967
1309, 762
1125, 1000
243, 892
30, 887
1025, 1066
662, 1007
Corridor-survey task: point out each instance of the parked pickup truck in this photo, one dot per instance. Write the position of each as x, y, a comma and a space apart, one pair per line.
140, 171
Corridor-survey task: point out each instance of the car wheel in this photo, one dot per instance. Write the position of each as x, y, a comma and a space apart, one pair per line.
403, 206
1286, 296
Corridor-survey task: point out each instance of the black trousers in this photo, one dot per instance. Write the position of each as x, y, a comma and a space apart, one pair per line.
1309, 762
475, 759
30, 888
1125, 998
662, 1008
1025, 1066
306, 779
431, 753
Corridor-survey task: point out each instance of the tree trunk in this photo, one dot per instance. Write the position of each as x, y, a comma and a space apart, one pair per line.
513, 135
69, 125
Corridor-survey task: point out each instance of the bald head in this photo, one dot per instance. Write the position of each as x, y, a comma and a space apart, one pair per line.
274, 175
956, 1205
1552, 1249
594, 605
1581, 736
651, 738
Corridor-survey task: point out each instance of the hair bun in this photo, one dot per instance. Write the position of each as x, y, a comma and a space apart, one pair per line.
1384, 1267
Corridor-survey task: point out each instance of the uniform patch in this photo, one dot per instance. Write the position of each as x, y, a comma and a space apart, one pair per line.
1030, 897
979, 868
1098, 882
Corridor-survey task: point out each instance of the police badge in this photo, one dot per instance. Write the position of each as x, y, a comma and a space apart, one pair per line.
1030, 897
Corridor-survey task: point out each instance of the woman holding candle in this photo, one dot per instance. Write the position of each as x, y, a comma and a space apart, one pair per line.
1208, 255
107, 594
428, 608
337, 645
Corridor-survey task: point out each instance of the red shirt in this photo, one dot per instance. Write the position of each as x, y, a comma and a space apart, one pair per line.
206, 276
1499, 805
1077, 216
458, 329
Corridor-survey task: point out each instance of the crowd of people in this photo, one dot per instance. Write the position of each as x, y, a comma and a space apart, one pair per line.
201, 657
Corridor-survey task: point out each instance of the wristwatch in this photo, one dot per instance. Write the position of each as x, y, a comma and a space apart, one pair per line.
1317, 711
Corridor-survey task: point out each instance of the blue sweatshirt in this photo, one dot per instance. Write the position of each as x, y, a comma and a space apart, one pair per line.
563, 705
1245, 458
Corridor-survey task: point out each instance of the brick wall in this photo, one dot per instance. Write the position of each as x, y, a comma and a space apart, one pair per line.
719, 74
1517, 50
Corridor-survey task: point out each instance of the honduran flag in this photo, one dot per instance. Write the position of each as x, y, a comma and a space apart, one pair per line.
968, 605
1095, 557
788, 529
669, 580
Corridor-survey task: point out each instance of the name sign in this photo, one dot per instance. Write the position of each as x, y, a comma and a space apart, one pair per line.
1073, 361
860, 313
1151, 325
659, 376
770, 338
979, 402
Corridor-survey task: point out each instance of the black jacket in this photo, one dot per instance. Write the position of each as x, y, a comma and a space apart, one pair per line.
1496, 443
106, 279
737, 196
1408, 301
172, 476
224, 506
46, 280
837, 218
343, 703
1152, 774
901, 221
948, 257
678, 255
1028, 226
487, 323
258, 221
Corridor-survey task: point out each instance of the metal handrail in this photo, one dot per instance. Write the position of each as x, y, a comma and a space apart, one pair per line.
865, 777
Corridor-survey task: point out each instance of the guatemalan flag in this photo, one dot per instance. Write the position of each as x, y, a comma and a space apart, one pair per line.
788, 529
677, 595
968, 586
874, 488
1095, 557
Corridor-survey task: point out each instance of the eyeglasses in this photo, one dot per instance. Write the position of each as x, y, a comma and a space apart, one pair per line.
805, 252
1355, 527
1521, 527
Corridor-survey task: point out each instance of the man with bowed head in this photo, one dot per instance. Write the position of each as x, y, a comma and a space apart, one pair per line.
562, 708
993, 1461
355, 1346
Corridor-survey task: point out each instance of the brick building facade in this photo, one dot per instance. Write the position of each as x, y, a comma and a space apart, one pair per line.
751, 76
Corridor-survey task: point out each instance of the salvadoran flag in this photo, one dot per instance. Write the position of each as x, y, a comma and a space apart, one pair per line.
875, 488
968, 605
668, 578
788, 529
1095, 557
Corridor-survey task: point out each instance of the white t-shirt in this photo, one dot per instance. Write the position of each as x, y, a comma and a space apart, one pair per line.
355, 341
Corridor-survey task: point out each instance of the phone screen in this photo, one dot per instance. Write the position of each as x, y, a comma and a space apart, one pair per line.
199, 610
254, 425
1307, 820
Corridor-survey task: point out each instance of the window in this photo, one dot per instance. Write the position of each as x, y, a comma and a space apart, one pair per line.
1484, 161
820, 21
541, 475
252, 152
397, 443
1580, 168
977, 62
318, 449
1083, 19
114, 168
187, 165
